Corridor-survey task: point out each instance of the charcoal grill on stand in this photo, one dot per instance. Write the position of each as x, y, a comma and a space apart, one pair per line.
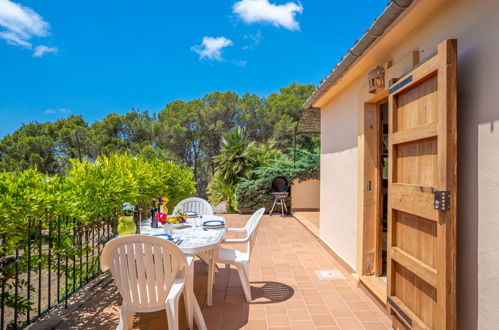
280, 191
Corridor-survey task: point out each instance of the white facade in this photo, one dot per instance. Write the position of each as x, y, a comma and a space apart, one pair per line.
475, 25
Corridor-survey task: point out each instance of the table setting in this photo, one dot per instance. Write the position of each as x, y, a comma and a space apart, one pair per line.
197, 234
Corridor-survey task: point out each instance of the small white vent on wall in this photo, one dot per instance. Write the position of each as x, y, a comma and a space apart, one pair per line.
330, 274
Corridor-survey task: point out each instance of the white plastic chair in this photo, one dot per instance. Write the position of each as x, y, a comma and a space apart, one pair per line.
150, 273
194, 204
242, 259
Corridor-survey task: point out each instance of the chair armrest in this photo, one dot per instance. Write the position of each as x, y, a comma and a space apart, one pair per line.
176, 289
235, 240
236, 230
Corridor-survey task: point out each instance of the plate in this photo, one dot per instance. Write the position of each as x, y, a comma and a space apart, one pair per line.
191, 214
214, 223
169, 237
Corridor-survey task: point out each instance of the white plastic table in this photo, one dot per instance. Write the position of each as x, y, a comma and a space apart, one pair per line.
195, 241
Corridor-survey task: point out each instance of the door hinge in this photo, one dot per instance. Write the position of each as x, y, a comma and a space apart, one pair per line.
442, 200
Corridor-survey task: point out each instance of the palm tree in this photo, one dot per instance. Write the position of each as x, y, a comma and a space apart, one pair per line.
234, 161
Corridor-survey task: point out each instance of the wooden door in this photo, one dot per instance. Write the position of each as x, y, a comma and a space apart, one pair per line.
422, 167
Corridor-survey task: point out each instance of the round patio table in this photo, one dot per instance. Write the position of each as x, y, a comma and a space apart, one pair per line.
194, 241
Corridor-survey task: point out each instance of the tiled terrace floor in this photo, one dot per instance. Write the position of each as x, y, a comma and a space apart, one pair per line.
309, 219
286, 290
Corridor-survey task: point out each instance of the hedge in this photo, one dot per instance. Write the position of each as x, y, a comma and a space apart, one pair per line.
250, 195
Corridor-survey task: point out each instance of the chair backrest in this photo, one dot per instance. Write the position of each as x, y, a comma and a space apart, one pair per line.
143, 268
194, 204
252, 227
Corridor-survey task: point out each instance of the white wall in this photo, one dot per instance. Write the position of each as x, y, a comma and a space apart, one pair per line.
338, 226
475, 23
305, 195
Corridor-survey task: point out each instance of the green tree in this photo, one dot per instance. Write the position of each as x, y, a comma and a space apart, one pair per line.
284, 111
252, 110
29, 147
220, 114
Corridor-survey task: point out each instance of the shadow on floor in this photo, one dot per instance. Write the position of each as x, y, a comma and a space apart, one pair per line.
270, 292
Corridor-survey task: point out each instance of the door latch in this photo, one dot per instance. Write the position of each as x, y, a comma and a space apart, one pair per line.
442, 200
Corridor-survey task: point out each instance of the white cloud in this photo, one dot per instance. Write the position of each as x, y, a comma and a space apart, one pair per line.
42, 50
241, 63
18, 24
254, 40
211, 48
253, 11
59, 110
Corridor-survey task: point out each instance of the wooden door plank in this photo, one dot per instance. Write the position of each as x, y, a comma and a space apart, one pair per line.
416, 322
423, 71
422, 159
391, 164
398, 325
447, 180
413, 199
418, 267
370, 188
414, 134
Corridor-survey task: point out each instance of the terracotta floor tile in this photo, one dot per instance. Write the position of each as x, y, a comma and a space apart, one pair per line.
366, 316
238, 319
342, 312
375, 326
313, 300
299, 315
323, 320
351, 297
349, 323
291, 305
275, 310
318, 309
256, 325
305, 285
277, 321
302, 325
358, 305
309, 292
257, 314
335, 302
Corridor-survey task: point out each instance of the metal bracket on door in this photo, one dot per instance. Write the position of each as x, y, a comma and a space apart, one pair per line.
442, 200
399, 311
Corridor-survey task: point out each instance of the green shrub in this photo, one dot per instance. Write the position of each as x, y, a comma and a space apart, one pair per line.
250, 195
88, 192
220, 190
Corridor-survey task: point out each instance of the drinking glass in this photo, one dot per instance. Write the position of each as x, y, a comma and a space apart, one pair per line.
198, 222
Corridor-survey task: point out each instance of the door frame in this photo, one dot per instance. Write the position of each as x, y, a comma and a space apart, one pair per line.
369, 196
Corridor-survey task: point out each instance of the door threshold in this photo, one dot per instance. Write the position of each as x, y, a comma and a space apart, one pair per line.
377, 286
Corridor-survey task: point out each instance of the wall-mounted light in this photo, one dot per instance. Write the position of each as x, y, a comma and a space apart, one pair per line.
376, 79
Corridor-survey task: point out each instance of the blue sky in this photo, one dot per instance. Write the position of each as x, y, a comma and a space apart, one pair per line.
95, 57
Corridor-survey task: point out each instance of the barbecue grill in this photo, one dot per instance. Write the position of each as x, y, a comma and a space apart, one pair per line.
280, 191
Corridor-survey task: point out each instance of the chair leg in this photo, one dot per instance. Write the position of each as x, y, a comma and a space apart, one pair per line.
126, 319
172, 313
188, 297
244, 282
246, 269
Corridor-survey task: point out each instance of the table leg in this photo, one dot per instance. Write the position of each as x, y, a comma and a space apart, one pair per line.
211, 276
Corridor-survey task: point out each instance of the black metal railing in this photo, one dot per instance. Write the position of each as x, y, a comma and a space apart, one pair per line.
46, 262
